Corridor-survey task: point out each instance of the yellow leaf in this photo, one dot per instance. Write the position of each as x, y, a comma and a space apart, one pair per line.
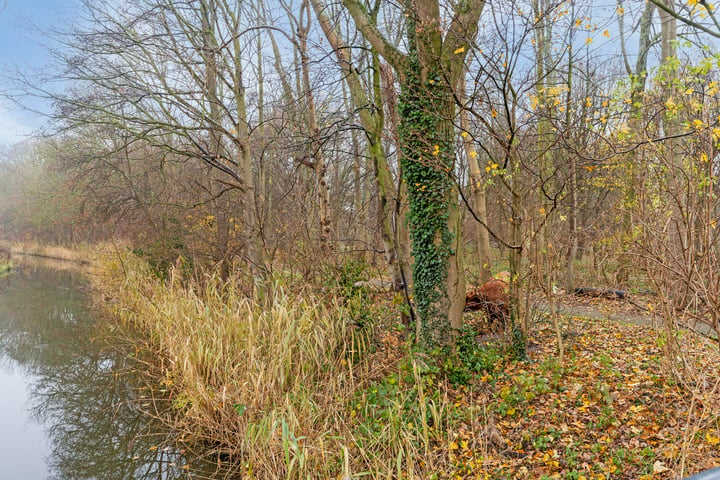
494, 113
606, 34
436, 150
534, 102
464, 134
689, 91
711, 439
473, 153
588, 41
458, 51
454, 446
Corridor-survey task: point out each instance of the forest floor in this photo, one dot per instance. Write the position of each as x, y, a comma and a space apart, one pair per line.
620, 405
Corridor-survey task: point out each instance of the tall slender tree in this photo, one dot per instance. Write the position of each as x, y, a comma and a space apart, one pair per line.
429, 74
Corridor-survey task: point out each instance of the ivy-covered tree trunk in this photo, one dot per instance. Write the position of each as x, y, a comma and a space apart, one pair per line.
429, 73
426, 134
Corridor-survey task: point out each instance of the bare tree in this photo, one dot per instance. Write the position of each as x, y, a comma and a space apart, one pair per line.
170, 76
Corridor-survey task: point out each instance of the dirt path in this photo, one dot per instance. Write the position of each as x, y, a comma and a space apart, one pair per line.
606, 312
600, 314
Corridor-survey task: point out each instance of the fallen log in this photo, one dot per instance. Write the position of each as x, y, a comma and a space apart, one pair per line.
600, 293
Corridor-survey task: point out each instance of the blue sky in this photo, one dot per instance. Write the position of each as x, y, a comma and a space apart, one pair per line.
25, 27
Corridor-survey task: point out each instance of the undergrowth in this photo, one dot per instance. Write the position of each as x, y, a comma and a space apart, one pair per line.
280, 387
322, 384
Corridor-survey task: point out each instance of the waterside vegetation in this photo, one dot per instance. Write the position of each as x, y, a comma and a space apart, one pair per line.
322, 381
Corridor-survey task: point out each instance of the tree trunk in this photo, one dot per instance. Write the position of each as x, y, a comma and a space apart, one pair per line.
251, 231
208, 11
517, 250
372, 119
638, 78
429, 76
319, 165
573, 207
477, 186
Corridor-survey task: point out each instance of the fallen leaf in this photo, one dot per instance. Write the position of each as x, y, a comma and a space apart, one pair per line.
659, 467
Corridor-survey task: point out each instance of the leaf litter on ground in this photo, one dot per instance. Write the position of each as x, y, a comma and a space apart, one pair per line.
616, 408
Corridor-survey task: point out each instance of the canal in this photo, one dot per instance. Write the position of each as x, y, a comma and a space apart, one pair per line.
69, 402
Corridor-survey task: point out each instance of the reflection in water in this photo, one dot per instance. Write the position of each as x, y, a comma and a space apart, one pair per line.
81, 388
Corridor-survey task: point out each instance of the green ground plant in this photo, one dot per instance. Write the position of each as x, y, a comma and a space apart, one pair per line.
468, 357
6, 266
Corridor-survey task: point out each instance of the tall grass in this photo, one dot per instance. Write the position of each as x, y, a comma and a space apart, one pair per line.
81, 254
267, 384
260, 383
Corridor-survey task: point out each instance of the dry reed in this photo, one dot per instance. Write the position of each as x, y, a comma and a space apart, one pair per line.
265, 385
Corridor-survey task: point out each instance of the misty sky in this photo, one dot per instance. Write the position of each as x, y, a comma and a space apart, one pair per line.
25, 27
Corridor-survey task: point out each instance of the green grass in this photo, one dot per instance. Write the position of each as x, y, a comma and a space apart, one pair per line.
6, 266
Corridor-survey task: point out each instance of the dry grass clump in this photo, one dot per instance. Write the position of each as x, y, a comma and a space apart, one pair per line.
263, 384
76, 254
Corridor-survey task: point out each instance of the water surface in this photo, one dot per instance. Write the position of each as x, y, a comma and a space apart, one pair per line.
69, 407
